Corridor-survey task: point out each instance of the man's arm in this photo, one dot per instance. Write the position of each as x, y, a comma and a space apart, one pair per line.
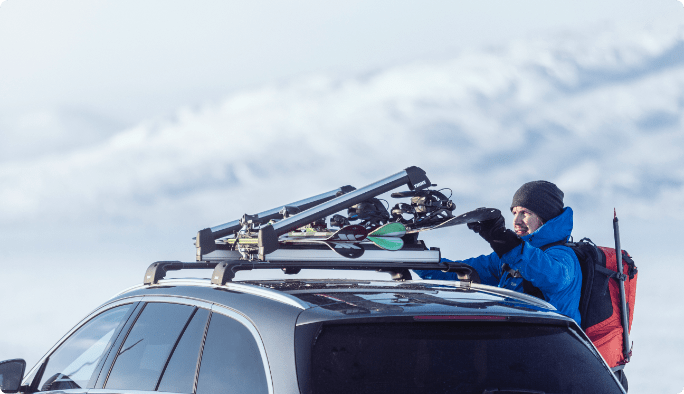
555, 271
552, 270
487, 266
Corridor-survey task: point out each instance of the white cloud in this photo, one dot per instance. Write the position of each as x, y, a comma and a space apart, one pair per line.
595, 114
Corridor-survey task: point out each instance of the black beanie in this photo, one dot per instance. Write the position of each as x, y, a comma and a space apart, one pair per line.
541, 197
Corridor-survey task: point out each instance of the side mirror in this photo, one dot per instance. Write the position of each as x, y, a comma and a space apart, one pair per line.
11, 375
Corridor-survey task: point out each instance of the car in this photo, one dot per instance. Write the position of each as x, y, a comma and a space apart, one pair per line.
321, 335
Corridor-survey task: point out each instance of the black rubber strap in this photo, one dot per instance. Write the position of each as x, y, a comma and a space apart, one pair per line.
610, 273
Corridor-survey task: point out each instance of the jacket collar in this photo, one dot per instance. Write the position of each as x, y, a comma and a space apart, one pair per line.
556, 229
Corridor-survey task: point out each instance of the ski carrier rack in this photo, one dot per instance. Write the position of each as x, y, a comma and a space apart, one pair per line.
295, 236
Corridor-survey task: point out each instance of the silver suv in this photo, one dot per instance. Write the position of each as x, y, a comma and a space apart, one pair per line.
319, 336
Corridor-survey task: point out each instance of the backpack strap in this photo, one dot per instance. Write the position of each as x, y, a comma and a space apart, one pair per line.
561, 242
610, 273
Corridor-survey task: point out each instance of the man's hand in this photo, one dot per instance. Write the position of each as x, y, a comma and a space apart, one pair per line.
487, 228
494, 231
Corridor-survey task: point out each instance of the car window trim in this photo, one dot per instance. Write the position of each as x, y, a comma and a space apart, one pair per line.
116, 346
175, 345
101, 309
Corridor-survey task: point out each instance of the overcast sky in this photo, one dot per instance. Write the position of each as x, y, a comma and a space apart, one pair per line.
126, 126
95, 67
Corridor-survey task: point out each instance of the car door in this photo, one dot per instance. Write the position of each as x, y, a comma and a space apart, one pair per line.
185, 346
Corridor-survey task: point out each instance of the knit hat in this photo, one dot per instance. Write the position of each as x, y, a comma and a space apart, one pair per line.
541, 197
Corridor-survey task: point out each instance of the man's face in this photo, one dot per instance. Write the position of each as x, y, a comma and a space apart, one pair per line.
525, 221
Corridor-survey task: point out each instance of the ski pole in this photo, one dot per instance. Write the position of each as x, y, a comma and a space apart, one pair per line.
621, 282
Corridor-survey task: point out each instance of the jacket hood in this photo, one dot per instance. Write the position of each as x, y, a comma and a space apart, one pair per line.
556, 229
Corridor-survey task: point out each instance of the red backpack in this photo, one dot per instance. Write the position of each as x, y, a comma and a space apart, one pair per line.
603, 324
600, 302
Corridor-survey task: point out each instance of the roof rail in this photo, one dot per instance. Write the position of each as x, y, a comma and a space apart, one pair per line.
224, 271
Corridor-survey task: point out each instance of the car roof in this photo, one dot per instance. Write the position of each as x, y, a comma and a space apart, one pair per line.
312, 300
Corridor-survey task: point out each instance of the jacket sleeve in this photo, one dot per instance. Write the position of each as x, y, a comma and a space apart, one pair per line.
487, 266
555, 271
552, 270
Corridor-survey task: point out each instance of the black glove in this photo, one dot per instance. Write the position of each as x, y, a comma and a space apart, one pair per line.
494, 231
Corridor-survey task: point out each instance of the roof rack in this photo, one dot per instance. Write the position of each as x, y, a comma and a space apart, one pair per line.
224, 271
293, 237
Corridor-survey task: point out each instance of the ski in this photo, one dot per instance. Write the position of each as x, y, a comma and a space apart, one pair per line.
477, 215
387, 243
393, 229
348, 249
345, 249
386, 237
351, 233
387, 230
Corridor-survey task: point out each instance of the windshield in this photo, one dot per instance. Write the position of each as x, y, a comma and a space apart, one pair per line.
449, 357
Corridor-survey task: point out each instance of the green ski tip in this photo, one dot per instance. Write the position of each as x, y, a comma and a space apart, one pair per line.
389, 230
387, 243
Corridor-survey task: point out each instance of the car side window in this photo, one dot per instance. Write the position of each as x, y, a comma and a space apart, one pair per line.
179, 374
143, 355
74, 361
231, 360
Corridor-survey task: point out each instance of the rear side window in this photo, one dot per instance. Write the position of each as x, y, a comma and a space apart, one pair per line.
452, 357
142, 357
179, 375
231, 361
73, 363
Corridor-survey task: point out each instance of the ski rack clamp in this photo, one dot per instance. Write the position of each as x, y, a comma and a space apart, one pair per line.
205, 241
415, 178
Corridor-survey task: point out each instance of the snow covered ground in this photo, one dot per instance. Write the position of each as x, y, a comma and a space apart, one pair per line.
600, 113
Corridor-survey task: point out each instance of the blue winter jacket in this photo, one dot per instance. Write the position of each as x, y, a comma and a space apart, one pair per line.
555, 271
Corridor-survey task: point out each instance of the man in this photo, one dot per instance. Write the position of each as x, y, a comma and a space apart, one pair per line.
519, 262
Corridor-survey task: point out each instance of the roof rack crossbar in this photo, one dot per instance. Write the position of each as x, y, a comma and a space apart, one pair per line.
157, 271
224, 271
